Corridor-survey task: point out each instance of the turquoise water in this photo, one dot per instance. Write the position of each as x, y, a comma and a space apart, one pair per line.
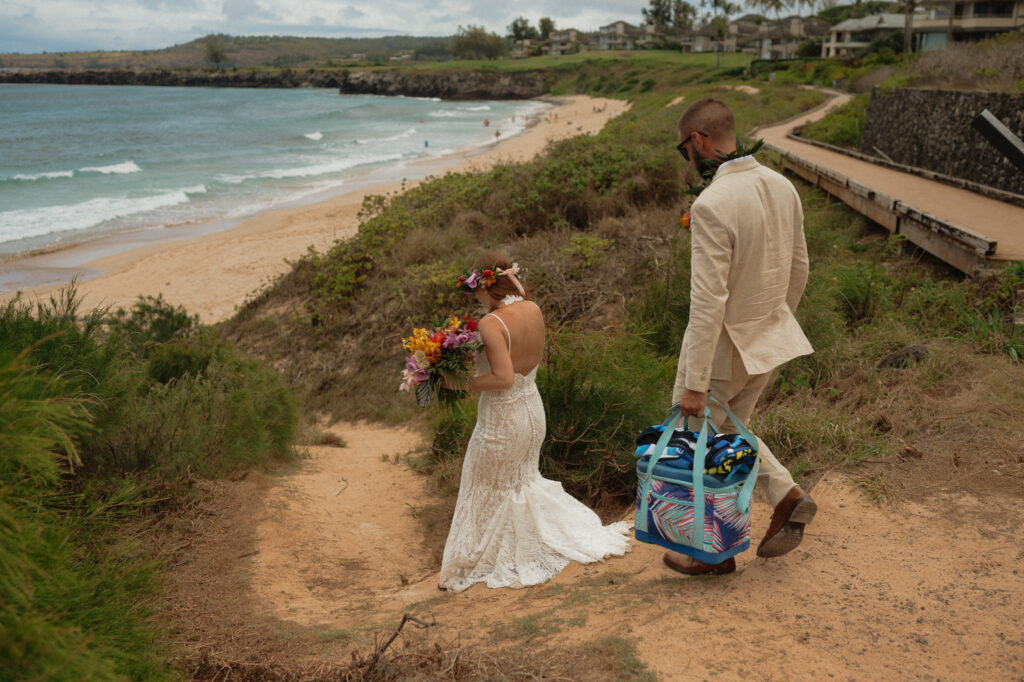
81, 162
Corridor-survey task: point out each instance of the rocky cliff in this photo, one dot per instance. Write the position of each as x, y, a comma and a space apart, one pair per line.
455, 84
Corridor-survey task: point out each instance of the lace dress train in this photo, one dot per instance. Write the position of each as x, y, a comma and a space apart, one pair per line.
511, 526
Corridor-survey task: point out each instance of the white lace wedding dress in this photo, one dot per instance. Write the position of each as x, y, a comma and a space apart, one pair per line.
512, 527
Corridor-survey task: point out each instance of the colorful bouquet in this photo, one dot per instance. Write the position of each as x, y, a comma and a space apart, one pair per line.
440, 357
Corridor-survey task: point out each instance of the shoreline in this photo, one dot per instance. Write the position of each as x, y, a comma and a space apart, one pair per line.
212, 271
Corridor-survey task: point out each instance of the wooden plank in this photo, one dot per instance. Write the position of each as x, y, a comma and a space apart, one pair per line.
872, 209
961, 257
982, 245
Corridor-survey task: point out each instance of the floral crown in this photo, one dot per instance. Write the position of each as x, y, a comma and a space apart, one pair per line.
471, 279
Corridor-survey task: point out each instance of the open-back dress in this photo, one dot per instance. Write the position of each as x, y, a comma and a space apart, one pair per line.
511, 526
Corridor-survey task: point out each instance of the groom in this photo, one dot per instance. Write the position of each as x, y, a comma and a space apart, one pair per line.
749, 268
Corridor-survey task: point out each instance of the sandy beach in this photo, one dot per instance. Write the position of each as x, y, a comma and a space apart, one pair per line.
210, 275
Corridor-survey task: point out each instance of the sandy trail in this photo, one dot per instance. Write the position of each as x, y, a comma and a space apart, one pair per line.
305, 567
921, 591
991, 218
211, 275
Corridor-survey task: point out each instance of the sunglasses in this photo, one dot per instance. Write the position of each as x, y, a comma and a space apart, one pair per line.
681, 147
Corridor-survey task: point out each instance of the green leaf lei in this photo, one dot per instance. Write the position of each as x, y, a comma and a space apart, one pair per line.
708, 167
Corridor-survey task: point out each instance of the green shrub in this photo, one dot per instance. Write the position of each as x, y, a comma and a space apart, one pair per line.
151, 321
195, 403
600, 389
863, 291
72, 605
843, 126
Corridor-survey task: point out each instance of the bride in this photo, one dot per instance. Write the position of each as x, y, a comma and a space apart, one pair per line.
511, 526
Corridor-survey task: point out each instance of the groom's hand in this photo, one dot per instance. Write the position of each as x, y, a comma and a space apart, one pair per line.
692, 403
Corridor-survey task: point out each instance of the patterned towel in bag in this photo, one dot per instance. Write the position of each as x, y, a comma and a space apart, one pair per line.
730, 456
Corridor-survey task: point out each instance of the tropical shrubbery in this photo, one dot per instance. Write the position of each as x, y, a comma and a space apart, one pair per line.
98, 411
842, 127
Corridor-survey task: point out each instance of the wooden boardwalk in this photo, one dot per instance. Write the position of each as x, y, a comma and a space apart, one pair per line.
970, 231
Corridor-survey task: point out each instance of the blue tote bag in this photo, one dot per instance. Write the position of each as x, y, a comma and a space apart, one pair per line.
686, 506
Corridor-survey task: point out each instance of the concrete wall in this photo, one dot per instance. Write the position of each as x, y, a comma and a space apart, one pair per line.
932, 129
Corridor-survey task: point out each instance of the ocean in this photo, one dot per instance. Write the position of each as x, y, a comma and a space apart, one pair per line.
82, 162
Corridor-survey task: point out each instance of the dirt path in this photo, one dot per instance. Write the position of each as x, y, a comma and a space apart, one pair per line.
991, 218
921, 591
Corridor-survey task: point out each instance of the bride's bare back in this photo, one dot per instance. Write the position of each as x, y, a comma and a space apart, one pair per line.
525, 335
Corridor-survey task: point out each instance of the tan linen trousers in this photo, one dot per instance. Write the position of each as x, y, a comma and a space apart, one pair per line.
740, 392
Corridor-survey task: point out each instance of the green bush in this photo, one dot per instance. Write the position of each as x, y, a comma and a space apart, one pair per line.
71, 607
159, 400
863, 291
843, 126
600, 389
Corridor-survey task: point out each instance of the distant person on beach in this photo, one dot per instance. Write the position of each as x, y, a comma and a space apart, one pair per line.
748, 259
512, 527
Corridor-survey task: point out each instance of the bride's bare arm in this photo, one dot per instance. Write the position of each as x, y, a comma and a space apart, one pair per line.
502, 375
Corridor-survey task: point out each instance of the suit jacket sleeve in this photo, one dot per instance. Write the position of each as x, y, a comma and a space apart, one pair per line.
711, 249
801, 264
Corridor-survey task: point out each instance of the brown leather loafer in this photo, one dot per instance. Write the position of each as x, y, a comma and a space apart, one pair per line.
786, 530
690, 566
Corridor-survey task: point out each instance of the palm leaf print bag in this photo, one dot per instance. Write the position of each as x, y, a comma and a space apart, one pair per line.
669, 481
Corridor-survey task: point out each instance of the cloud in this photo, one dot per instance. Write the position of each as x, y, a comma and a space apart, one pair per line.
243, 10
61, 25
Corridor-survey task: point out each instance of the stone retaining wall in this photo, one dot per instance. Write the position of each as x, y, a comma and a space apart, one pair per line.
932, 129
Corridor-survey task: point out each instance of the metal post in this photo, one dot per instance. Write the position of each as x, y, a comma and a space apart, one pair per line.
1000, 137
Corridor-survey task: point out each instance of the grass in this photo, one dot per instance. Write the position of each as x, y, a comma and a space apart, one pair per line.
842, 127
103, 417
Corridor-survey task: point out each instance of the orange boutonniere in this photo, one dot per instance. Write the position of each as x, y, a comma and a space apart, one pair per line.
684, 222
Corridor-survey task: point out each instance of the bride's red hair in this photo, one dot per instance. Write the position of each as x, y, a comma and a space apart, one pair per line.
503, 286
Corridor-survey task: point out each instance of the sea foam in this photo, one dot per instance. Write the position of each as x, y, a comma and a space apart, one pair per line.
314, 136
43, 176
37, 222
326, 168
393, 138
116, 169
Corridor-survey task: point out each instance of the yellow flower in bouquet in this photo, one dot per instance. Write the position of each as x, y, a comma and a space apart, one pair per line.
425, 342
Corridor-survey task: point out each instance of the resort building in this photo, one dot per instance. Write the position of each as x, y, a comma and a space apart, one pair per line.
621, 35
778, 39
523, 48
848, 38
566, 41
969, 22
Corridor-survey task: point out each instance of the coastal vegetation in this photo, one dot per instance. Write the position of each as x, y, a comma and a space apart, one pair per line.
105, 418
595, 220
112, 414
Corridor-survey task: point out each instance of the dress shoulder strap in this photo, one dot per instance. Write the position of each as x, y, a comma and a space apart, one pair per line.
507, 332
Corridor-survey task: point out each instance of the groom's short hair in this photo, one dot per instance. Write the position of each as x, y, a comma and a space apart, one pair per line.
708, 116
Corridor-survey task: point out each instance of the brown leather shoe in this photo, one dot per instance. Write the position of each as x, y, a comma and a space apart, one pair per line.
786, 530
690, 566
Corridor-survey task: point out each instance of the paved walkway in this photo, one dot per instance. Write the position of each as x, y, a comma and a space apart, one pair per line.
996, 220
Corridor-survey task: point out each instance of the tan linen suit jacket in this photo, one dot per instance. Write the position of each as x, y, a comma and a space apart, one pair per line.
748, 271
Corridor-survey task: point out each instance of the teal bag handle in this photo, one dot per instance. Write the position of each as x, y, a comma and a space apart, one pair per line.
747, 489
659, 449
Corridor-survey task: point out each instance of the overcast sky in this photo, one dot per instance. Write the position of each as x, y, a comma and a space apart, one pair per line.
65, 25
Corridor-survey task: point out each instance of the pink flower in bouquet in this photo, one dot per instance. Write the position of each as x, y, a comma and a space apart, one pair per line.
417, 369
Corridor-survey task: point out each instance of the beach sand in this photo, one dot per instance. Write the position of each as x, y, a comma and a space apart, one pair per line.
211, 275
